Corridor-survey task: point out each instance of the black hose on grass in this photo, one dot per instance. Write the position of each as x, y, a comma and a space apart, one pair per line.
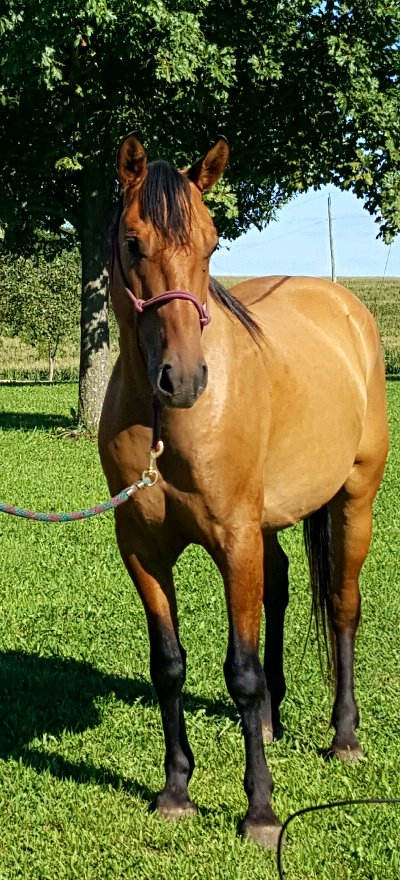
315, 808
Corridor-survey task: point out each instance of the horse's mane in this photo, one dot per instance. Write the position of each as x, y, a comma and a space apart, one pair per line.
230, 302
165, 201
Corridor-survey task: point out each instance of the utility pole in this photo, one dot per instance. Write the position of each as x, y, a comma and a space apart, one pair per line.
331, 242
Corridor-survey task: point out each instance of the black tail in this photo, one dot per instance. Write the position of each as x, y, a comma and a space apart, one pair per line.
318, 544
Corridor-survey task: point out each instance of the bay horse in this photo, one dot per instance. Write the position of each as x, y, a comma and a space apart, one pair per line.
270, 401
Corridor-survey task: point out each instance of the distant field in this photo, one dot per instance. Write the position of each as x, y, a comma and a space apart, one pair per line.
20, 361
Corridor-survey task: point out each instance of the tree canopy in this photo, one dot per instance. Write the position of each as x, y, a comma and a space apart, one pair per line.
306, 92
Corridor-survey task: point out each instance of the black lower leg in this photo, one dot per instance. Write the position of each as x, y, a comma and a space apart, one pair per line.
246, 684
168, 668
276, 596
345, 713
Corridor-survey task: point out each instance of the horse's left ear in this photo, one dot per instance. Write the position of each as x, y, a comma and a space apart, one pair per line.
131, 161
207, 170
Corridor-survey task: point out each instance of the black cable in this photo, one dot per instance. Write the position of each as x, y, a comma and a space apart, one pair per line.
317, 807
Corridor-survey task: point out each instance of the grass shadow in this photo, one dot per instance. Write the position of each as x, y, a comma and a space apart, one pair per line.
50, 695
23, 421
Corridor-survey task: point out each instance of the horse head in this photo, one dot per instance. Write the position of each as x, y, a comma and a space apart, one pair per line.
165, 240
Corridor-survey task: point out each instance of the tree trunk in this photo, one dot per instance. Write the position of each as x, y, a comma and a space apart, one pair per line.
94, 366
52, 361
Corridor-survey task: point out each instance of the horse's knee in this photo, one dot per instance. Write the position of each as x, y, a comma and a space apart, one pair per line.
168, 669
244, 678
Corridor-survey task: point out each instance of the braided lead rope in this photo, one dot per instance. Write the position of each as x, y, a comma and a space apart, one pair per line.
149, 478
85, 513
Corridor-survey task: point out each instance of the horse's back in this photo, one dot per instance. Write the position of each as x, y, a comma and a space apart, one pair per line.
299, 314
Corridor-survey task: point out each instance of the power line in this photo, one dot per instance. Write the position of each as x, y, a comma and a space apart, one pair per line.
268, 241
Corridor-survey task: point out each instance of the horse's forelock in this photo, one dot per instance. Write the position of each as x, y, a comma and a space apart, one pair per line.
165, 201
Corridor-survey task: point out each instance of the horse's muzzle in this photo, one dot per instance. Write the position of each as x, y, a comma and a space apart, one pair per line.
177, 389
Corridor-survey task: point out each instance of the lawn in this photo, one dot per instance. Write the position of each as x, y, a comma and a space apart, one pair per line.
81, 746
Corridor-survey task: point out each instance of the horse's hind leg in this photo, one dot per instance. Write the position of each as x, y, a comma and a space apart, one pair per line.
351, 516
351, 531
276, 594
168, 670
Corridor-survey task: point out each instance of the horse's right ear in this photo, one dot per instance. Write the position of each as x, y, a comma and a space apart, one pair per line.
131, 162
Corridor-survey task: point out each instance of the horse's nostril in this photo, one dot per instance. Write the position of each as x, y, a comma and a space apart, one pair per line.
164, 383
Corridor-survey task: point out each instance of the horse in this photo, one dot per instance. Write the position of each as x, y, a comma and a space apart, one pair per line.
270, 402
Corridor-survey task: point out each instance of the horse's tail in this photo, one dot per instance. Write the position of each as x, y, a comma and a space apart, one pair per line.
318, 544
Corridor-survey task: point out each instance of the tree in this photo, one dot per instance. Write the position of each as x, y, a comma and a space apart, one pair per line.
39, 298
306, 92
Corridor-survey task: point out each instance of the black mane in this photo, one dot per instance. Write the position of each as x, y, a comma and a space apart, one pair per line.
233, 305
165, 202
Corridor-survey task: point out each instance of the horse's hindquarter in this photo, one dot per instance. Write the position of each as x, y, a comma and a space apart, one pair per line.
322, 347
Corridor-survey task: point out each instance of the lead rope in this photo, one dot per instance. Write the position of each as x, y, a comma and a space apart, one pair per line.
149, 478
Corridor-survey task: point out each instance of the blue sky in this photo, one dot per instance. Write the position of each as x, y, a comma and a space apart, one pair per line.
297, 243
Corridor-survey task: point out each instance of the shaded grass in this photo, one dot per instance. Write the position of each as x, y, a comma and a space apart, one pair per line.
81, 745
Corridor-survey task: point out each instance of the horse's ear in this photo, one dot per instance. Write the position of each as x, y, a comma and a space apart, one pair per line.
207, 170
131, 161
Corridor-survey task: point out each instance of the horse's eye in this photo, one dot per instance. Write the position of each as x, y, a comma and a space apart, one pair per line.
133, 246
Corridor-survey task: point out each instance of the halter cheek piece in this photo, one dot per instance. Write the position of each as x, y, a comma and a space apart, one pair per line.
160, 299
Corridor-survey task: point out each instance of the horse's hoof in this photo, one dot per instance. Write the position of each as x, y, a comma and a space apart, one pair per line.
266, 836
170, 809
348, 756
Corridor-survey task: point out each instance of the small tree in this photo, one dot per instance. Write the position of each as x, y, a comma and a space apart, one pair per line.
40, 299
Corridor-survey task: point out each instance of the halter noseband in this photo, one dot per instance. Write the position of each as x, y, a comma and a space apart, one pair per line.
159, 299
162, 298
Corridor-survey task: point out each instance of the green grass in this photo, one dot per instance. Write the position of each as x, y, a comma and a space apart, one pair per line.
81, 746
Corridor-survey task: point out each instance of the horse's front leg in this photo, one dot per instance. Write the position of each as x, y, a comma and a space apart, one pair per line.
242, 570
168, 671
